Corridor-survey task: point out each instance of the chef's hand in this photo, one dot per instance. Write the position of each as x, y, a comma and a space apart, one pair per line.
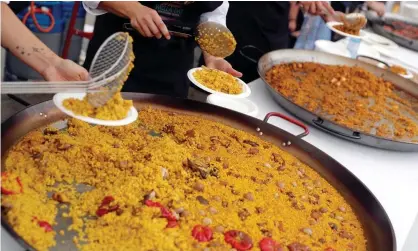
65, 70
148, 22
221, 64
295, 34
377, 6
292, 25
316, 7
337, 17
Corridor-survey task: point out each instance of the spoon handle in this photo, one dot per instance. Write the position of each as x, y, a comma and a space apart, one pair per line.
128, 26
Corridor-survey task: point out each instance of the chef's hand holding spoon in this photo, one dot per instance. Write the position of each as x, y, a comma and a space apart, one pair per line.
145, 20
149, 23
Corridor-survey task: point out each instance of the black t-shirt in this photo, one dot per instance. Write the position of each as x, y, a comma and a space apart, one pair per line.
160, 65
258, 23
185, 12
346, 6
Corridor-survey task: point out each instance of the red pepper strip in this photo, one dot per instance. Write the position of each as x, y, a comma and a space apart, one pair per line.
165, 213
101, 211
7, 191
202, 233
151, 203
329, 249
113, 208
45, 225
238, 240
104, 206
107, 200
171, 219
268, 244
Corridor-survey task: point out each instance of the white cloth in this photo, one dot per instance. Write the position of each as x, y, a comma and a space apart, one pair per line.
91, 7
218, 15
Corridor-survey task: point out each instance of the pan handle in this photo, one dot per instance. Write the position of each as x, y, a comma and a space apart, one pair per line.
371, 58
19, 100
291, 120
241, 51
319, 123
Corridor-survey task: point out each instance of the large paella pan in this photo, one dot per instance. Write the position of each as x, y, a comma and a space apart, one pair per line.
186, 176
348, 98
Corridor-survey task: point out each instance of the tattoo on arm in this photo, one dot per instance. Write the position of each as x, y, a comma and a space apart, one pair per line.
34, 49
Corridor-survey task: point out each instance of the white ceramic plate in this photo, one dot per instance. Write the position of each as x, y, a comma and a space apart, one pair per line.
331, 27
60, 97
244, 106
246, 90
378, 40
408, 74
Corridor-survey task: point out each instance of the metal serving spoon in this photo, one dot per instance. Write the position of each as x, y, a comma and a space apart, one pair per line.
213, 38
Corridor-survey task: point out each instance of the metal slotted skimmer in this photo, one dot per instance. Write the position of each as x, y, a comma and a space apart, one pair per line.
109, 69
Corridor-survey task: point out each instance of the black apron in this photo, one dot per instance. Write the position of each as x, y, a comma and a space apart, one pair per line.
258, 23
160, 65
346, 6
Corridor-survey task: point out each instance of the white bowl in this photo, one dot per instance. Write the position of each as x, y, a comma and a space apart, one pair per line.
246, 91
60, 97
331, 27
244, 106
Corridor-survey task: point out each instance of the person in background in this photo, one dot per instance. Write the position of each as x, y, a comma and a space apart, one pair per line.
379, 7
352, 6
161, 60
392, 6
295, 23
22, 43
313, 28
264, 25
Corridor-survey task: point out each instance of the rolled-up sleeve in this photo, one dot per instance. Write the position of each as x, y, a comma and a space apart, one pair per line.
218, 15
91, 7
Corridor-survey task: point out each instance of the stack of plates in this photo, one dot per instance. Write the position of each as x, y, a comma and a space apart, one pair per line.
244, 106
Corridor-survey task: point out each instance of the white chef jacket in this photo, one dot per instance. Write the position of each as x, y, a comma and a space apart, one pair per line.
218, 15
